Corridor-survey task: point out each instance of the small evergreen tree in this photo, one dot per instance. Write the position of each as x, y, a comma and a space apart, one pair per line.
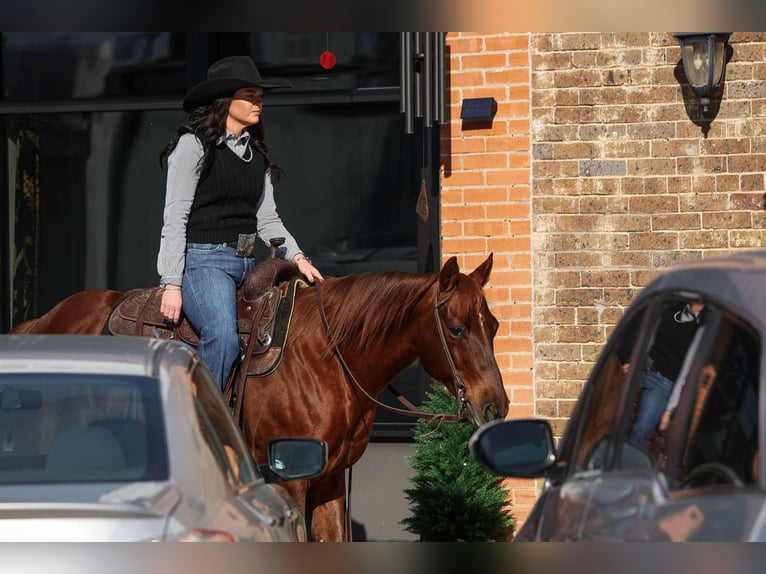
453, 497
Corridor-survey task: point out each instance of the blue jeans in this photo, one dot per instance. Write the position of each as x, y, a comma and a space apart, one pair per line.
212, 275
654, 398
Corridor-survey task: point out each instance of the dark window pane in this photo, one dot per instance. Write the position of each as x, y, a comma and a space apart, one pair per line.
87, 202
88, 194
63, 66
347, 195
723, 426
363, 59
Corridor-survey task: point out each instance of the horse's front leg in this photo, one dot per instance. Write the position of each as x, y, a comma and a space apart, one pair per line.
326, 507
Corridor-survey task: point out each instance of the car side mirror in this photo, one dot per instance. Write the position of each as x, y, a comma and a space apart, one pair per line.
294, 458
519, 448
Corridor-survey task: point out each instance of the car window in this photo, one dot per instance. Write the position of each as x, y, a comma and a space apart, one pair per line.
585, 443
713, 434
220, 432
692, 395
64, 427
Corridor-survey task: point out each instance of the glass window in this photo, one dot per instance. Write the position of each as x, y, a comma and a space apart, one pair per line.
717, 420
346, 196
588, 437
41, 66
88, 194
692, 408
80, 428
86, 191
86, 203
362, 59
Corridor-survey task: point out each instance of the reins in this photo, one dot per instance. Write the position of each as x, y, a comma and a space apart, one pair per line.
411, 409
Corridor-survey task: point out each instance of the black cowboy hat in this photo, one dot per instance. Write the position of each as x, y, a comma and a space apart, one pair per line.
225, 77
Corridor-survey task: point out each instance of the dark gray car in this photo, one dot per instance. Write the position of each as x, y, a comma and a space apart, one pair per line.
129, 439
696, 477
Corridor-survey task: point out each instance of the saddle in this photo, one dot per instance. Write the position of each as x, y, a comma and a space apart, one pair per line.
264, 309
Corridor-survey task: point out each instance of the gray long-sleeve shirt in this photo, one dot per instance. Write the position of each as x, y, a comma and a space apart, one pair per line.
179, 195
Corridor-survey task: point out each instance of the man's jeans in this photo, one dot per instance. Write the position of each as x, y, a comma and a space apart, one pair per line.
212, 275
654, 398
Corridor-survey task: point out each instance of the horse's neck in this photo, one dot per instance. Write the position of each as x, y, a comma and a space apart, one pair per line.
383, 358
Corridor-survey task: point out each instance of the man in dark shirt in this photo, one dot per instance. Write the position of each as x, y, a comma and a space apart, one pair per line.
672, 339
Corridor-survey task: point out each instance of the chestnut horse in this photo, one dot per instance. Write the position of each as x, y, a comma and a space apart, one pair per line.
377, 324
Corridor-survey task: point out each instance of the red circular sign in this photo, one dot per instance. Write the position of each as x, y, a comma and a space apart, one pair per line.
327, 60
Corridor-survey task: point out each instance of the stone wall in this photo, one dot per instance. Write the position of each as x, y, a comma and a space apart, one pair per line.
597, 172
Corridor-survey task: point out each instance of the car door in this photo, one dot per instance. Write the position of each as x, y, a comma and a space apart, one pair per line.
565, 506
695, 478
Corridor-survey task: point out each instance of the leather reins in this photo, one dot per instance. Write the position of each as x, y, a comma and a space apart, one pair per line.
411, 410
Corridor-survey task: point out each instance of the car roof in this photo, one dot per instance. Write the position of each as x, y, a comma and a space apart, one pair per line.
90, 354
735, 281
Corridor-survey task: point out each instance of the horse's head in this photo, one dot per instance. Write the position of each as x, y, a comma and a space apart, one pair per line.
461, 354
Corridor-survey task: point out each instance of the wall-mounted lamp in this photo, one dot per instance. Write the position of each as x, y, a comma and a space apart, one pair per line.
703, 55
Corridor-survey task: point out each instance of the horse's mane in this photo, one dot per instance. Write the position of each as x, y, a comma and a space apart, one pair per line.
365, 309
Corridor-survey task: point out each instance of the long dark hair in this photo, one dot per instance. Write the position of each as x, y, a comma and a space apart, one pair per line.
208, 123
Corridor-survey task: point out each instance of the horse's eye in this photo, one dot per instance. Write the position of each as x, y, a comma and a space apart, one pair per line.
457, 331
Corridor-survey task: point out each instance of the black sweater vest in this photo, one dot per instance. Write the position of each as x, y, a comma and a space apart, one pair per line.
226, 199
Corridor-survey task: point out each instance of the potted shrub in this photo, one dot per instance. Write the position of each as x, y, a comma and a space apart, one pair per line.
452, 497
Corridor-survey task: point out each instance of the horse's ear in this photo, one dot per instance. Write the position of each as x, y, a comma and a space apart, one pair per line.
481, 273
449, 275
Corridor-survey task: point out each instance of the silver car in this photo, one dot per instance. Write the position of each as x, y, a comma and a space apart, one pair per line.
129, 439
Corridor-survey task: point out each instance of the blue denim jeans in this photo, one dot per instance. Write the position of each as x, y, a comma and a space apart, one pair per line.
212, 275
654, 398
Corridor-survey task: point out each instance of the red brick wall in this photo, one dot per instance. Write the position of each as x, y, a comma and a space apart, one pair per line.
596, 173
486, 200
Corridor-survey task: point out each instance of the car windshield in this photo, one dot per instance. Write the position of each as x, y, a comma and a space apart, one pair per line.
62, 427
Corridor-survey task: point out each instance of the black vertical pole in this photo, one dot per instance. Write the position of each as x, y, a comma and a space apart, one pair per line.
406, 81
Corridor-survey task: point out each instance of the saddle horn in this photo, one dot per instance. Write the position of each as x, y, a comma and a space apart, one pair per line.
274, 245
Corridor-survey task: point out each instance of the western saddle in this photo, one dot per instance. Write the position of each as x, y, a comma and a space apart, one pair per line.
264, 309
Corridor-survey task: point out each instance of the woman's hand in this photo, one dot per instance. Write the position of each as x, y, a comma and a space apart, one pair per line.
307, 269
171, 303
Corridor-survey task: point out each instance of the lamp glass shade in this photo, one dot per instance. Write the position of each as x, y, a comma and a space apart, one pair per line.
697, 62
719, 60
703, 59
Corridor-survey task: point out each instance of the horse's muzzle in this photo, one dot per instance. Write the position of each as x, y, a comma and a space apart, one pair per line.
469, 413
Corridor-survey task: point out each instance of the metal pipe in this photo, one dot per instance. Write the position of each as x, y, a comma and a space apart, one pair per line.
427, 78
440, 113
418, 75
402, 72
406, 80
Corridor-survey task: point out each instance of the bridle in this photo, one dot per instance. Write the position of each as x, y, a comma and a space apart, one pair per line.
456, 378
411, 409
